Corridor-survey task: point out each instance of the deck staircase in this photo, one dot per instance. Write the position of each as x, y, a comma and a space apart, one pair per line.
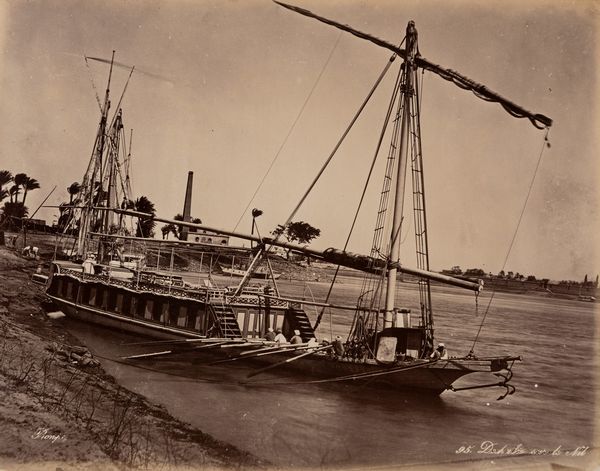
226, 320
298, 320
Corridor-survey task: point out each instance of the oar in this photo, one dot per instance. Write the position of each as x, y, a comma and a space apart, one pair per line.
192, 340
289, 360
147, 355
174, 341
245, 345
167, 352
275, 347
284, 348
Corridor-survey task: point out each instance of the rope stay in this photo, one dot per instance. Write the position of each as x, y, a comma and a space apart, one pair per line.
545, 144
366, 184
292, 127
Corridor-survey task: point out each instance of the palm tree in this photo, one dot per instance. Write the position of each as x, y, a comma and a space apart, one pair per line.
29, 184
179, 217
20, 181
168, 228
13, 192
73, 189
145, 227
5, 177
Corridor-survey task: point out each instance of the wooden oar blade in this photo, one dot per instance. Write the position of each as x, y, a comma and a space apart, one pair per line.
148, 355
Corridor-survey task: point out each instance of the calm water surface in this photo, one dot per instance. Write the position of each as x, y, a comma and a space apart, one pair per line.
339, 425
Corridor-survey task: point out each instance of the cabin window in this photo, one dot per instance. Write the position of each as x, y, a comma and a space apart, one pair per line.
84, 297
173, 313
157, 310
105, 294
93, 294
192, 316
240, 317
274, 318
119, 303
99, 296
69, 289
140, 306
250, 325
63, 288
149, 308
111, 299
182, 316
126, 307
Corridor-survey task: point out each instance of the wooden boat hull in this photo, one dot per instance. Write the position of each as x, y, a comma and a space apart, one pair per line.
430, 378
66, 290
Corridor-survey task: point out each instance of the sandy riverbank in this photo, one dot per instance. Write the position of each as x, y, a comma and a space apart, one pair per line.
57, 413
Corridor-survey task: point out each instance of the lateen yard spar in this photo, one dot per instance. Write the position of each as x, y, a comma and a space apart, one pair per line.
384, 346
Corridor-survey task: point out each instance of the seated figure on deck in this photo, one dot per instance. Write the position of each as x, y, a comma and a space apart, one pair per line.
280, 338
270, 335
338, 347
296, 339
440, 352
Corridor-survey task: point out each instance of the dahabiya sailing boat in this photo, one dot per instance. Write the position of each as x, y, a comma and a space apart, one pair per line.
384, 347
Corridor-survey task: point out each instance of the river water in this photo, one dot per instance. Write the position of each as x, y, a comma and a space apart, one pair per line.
342, 426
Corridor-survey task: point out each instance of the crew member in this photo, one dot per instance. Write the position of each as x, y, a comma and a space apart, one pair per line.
440, 352
280, 338
338, 347
296, 339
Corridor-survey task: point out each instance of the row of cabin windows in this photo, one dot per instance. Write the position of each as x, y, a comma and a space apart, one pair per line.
188, 316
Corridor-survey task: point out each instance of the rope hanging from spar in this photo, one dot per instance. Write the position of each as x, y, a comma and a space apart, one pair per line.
93, 84
545, 144
481, 91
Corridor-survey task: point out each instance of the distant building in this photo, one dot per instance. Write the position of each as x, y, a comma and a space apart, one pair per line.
201, 236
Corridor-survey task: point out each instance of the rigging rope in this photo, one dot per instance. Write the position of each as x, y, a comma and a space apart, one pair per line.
339, 143
362, 196
539, 161
291, 130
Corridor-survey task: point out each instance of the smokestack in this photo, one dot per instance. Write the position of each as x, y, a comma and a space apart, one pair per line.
187, 206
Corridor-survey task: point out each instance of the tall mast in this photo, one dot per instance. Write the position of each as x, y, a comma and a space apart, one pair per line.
406, 95
95, 168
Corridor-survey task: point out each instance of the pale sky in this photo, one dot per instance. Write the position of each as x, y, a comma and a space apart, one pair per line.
227, 79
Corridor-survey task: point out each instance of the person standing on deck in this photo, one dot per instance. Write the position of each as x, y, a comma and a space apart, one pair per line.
296, 339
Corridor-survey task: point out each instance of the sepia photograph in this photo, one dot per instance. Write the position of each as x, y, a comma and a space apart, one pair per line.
299, 235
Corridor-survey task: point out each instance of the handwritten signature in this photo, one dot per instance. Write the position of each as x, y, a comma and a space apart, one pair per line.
44, 434
488, 447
